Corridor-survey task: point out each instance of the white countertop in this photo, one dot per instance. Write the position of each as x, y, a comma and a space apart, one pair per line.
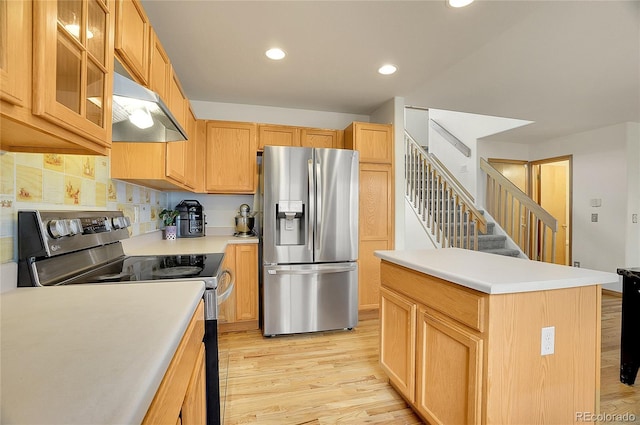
153, 244
495, 274
89, 354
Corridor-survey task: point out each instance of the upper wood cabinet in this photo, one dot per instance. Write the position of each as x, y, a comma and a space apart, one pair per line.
72, 61
159, 68
373, 141
191, 152
277, 135
178, 103
231, 160
285, 135
132, 39
47, 63
320, 138
156, 165
15, 65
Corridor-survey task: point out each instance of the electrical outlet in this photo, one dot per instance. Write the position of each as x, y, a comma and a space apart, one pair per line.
547, 344
576, 264
594, 218
634, 218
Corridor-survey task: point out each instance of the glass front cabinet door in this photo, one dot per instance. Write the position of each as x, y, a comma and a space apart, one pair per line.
73, 65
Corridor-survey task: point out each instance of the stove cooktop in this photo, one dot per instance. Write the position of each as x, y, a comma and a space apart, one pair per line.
144, 268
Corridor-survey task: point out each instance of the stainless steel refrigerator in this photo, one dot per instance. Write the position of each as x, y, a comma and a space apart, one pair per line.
310, 239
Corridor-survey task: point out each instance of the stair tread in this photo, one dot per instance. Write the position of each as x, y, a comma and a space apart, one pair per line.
502, 251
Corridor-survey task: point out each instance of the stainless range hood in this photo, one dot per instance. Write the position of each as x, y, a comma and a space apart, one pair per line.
139, 115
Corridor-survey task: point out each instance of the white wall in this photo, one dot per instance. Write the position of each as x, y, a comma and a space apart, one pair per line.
273, 115
633, 195
600, 163
468, 128
416, 122
220, 210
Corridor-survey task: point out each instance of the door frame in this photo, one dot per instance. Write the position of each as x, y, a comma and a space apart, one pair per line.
534, 176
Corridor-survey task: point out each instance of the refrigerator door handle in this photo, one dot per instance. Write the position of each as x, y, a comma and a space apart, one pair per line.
312, 206
318, 232
320, 270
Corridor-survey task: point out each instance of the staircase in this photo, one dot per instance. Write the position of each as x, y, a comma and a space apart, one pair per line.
493, 243
445, 209
448, 213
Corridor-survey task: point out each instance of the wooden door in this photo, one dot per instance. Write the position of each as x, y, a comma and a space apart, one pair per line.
398, 341
231, 160
190, 152
246, 282
159, 68
194, 406
132, 39
449, 371
317, 138
15, 25
227, 309
73, 65
277, 135
551, 190
373, 141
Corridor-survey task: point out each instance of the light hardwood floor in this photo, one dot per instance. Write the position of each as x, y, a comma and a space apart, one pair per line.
334, 377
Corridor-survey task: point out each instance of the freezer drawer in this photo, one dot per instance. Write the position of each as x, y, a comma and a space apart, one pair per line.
309, 298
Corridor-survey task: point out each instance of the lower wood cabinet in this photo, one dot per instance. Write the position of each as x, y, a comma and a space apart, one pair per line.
449, 362
181, 397
241, 310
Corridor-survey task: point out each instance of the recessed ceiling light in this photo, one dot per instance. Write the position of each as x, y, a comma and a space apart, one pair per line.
459, 3
387, 69
275, 54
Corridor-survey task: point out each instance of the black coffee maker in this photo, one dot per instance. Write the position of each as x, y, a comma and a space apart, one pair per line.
191, 221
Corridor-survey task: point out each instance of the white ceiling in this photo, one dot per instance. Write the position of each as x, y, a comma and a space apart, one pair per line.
570, 66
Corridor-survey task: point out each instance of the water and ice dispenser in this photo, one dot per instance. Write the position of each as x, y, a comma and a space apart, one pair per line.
290, 229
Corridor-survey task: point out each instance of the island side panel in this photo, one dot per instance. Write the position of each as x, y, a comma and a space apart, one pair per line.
524, 386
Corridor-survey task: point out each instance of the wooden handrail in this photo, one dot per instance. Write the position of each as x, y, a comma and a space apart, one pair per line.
524, 199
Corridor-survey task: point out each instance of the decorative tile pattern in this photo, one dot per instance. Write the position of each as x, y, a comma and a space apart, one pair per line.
54, 181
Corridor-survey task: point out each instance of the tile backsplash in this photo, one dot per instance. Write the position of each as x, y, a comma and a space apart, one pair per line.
66, 182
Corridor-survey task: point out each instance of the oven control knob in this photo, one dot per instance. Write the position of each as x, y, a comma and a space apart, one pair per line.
74, 226
118, 222
57, 228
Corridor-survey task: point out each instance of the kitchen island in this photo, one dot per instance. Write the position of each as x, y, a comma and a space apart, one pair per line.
92, 354
471, 337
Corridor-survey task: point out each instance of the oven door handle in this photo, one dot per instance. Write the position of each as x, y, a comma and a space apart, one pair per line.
227, 292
